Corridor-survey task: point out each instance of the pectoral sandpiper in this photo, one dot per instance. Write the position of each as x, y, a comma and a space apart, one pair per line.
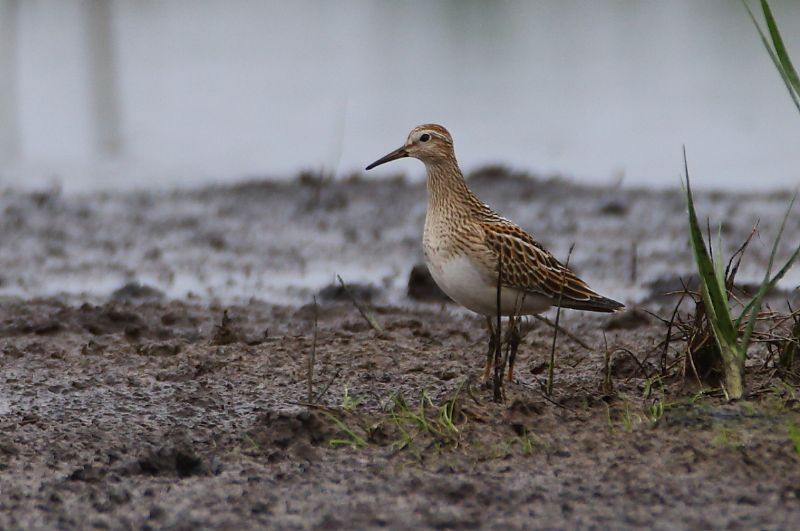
467, 244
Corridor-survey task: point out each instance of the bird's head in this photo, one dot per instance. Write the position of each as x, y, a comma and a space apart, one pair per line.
430, 143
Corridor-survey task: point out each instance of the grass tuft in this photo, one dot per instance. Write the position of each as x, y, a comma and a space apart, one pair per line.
794, 436
401, 425
351, 438
732, 336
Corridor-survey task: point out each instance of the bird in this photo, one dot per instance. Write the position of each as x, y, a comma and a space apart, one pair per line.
468, 247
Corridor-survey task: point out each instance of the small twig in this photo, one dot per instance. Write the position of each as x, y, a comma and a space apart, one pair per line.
514, 334
665, 353
736, 258
498, 370
368, 317
470, 393
312, 356
551, 367
635, 359
224, 334
694, 369
307, 404
327, 386
549, 399
654, 315
564, 331
790, 348
608, 384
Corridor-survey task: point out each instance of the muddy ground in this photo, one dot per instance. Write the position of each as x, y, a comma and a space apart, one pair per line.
151, 407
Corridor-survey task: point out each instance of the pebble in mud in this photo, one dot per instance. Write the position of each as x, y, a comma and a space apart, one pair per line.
136, 292
337, 292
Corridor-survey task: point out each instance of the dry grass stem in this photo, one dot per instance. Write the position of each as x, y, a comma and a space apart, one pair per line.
368, 317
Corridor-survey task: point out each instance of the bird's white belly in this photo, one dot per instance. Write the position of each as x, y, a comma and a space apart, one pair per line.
463, 282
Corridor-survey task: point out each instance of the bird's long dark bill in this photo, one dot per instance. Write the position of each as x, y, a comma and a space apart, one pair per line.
394, 155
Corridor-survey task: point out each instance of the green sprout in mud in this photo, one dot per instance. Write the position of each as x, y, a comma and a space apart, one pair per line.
502, 449
656, 411
609, 419
728, 438
405, 422
252, 444
629, 417
351, 438
780, 393
794, 436
412, 422
657, 407
528, 442
349, 402
626, 417
649, 383
449, 411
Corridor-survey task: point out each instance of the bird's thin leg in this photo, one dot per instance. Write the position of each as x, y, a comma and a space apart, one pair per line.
487, 370
513, 338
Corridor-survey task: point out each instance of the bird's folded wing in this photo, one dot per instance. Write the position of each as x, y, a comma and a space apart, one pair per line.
530, 267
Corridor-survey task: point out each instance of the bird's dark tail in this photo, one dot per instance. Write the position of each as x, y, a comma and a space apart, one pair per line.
594, 304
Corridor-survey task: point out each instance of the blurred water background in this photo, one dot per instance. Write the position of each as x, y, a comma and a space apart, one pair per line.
150, 94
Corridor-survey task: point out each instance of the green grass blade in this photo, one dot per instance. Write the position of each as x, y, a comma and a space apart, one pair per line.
780, 49
775, 60
771, 284
778, 237
719, 269
713, 291
768, 283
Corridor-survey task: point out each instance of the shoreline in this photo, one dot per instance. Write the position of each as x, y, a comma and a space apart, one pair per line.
284, 242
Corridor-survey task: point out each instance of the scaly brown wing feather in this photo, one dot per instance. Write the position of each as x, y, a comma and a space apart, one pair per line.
530, 267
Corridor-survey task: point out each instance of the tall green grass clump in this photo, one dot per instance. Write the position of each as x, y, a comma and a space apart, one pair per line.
732, 336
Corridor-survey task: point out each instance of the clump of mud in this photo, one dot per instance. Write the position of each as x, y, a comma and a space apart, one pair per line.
422, 287
290, 435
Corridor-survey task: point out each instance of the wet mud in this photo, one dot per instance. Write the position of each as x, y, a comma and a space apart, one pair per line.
155, 353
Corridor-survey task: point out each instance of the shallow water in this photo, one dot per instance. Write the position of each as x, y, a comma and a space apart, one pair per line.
599, 91
282, 243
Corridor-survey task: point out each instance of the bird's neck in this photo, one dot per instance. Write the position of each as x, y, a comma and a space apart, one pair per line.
447, 190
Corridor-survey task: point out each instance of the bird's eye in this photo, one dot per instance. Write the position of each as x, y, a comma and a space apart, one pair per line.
424, 137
